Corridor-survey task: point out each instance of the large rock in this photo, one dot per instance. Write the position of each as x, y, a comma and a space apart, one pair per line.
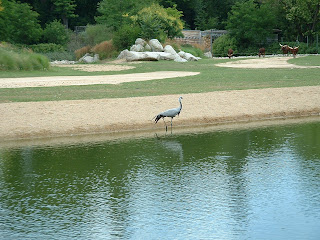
169, 49
140, 41
155, 45
188, 56
142, 56
137, 48
176, 57
89, 59
208, 54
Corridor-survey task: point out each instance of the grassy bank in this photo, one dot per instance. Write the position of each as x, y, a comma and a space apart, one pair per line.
212, 78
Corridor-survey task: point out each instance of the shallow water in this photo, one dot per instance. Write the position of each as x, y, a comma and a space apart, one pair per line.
252, 183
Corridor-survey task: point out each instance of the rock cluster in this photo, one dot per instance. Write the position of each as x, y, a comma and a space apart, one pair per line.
154, 51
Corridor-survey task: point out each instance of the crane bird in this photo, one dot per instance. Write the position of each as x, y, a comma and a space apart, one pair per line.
169, 113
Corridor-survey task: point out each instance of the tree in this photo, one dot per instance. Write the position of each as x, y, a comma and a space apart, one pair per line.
65, 9
158, 22
304, 15
19, 24
249, 23
55, 32
113, 13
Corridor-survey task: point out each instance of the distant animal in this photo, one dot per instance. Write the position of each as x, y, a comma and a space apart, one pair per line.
262, 52
230, 52
169, 113
284, 48
294, 51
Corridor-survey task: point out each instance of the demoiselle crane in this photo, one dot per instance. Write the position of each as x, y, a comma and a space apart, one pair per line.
169, 113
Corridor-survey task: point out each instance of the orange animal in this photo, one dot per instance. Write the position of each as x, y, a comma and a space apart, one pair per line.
230, 53
294, 51
262, 52
285, 48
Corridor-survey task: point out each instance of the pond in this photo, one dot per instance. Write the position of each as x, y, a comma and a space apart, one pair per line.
258, 182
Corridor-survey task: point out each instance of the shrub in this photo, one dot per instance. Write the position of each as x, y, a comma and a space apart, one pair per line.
95, 34
11, 59
126, 36
197, 52
55, 32
46, 47
82, 51
64, 55
222, 44
105, 49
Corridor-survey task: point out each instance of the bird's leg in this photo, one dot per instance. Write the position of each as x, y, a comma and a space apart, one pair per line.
165, 124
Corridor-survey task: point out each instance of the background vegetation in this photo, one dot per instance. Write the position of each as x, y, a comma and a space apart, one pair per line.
57, 28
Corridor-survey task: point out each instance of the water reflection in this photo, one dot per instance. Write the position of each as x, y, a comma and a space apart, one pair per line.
260, 183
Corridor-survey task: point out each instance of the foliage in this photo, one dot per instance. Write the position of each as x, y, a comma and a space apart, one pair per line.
250, 24
158, 22
55, 32
46, 47
222, 44
13, 59
60, 55
98, 33
82, 51
65, 9
105, 50
113, 12
197, 52
126, 36
19, 24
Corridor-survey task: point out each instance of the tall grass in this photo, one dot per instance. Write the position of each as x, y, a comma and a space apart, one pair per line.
12, 59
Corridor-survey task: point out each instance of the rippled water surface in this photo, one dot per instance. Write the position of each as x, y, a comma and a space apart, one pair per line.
252, 183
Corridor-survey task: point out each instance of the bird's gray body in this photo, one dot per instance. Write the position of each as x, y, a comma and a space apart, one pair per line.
169, 113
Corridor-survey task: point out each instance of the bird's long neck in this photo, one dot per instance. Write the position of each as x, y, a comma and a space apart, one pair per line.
180, 104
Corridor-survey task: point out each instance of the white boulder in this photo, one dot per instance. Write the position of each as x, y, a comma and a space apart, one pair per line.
89, 59
188, 56
155, 45
137, 48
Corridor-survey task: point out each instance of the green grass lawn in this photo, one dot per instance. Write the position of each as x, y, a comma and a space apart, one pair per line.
211, 78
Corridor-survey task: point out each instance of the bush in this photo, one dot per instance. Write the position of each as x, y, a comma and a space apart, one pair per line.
105, 49
63, 55
55, 32
126, 36
82, 51
13, 59
96, 34
222, 44
46, 47
197, 52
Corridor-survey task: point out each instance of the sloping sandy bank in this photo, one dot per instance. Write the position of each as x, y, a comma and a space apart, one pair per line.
62, 118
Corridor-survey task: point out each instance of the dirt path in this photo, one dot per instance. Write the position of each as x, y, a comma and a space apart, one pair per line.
267, 62
88, 80
65, 118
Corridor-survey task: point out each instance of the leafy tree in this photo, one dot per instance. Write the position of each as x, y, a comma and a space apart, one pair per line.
158, 22
250, 23
113, 13
304, 15
65, 8
222, 44
55, 32
1, 8
19, 24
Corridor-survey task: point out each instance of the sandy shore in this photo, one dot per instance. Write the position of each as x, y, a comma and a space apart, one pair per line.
67, 118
